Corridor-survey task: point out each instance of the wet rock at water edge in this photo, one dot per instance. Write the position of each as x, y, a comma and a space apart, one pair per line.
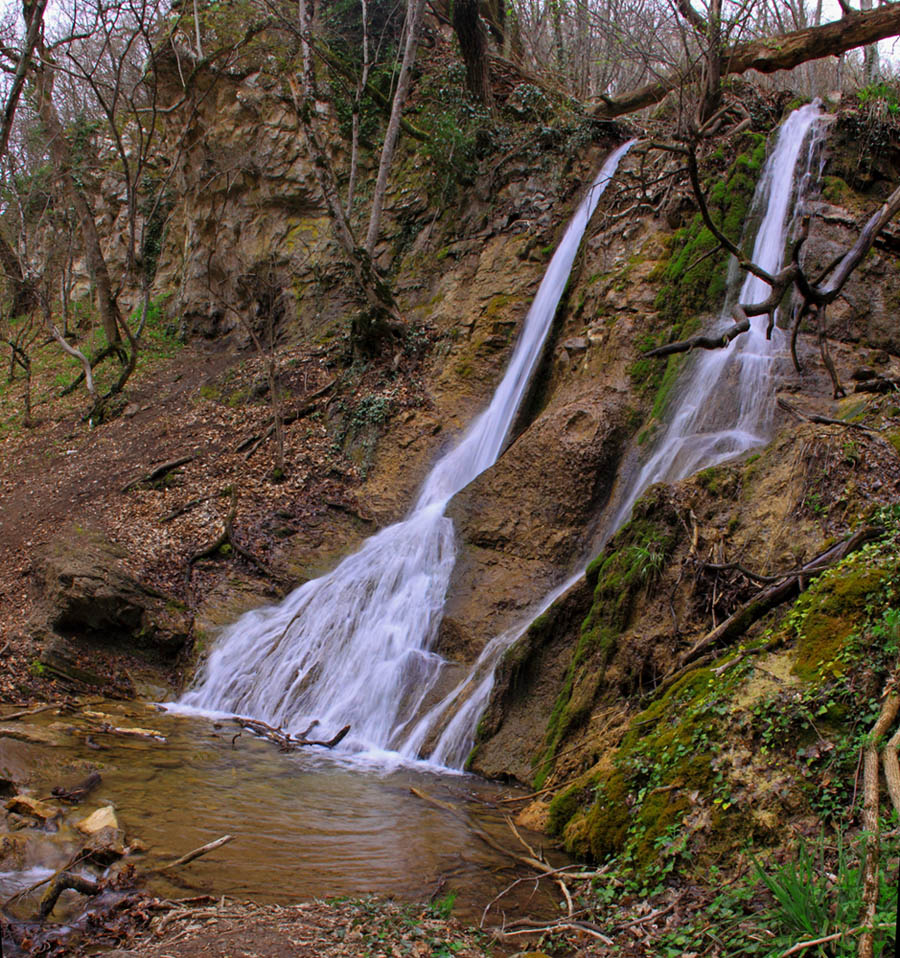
32, 808
105, 846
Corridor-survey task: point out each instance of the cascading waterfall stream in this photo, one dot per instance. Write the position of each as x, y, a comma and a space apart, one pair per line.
722, 407
352, 647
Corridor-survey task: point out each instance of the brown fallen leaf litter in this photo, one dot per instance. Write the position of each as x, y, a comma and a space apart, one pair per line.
135, 926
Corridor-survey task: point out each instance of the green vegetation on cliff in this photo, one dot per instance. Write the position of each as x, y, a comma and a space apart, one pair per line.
695, 275
772, 730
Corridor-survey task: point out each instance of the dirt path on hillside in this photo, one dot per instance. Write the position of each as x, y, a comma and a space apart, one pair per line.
66, 471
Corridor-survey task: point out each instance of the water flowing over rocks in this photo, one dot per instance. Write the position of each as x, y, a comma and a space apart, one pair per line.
354, 647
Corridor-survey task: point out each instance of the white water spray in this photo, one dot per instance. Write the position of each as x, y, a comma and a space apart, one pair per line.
722, 407
353, 646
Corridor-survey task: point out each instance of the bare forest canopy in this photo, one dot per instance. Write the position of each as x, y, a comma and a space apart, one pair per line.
103, 99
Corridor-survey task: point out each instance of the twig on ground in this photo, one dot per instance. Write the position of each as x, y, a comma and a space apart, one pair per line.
158, 473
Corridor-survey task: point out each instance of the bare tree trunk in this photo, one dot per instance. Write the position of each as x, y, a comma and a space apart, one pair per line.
23, 291
34, 19
582, 48
381, 309
357, 103
712, 66
60, 153
197, 30
360, 261
870, 822
413, 16
559, 49
870, 54
474, 48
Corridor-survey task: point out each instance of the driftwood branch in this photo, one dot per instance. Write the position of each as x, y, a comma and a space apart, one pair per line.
481, 834
198, 852
287, 742
26, 712
77, 793
60, 883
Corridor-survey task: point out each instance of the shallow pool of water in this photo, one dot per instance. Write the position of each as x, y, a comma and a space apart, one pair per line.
306, 824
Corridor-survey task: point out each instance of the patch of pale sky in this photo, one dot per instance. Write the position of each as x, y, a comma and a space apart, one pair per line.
59, 12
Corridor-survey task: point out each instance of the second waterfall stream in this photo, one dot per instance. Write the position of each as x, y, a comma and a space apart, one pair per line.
353, 647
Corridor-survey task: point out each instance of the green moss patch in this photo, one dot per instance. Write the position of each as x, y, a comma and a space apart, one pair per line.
665, 766
628, 567
694, 284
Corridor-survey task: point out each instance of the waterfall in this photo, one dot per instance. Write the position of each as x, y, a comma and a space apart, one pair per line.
722, 407
353, 647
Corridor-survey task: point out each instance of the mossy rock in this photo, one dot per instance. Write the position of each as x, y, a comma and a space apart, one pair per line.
563, 809
694, 284
832, 612
629, 566
601, 832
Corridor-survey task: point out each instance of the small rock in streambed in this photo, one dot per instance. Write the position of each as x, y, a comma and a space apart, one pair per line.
95, 822
13, 852
105, 846
32, 808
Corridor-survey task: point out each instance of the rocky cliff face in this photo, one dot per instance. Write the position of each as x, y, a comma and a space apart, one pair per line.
602, 702
248, 219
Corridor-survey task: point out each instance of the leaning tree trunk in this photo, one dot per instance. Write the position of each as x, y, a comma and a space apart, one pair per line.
770, 55
413, 16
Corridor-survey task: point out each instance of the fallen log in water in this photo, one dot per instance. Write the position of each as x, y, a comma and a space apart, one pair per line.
284, 740
77, 793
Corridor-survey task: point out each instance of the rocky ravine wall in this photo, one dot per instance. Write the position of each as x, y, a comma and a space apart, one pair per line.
725, 754
247, 203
